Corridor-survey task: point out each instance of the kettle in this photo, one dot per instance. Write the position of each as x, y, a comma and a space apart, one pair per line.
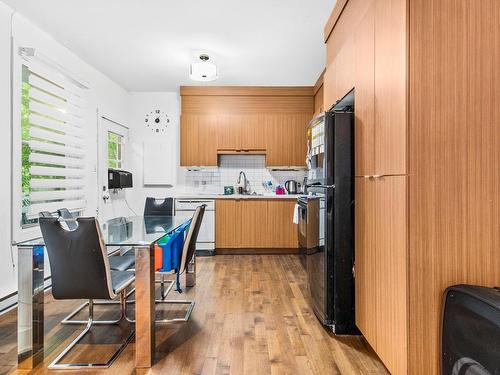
291, 187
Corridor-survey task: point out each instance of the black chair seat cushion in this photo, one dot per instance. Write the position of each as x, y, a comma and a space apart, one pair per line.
121, 263
129, 253
120, 279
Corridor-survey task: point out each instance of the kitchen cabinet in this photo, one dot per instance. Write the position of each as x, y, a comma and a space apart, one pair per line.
198, 140
254, 224
248, 224
390, 87
380, 267
427, 217
227, 223
281, 233
365, 264
286, 139
229, 129
364, 82
391, 271
189, 140
241, 133
245, 120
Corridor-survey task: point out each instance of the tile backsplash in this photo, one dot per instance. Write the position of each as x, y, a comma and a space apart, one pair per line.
214, 179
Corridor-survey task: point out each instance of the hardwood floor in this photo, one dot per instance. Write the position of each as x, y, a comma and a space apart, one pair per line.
251, 317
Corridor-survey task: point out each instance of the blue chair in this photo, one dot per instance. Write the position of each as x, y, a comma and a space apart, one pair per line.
172, 253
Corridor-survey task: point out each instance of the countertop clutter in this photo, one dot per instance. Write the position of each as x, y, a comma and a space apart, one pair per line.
237, 196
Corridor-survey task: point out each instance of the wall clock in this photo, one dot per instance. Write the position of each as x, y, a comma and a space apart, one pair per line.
157, 121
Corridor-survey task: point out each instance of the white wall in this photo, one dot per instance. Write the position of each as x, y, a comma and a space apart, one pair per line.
104, 98
141, 103
7, 271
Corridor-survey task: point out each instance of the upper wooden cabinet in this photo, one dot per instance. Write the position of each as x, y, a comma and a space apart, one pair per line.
286, 142
198, 140
221, 120
366, 50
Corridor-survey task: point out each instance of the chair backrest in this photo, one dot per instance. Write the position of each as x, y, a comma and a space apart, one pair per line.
159, 207
68, 217
191, 237
78, 260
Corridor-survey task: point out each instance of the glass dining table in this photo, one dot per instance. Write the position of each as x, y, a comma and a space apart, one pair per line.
137, 232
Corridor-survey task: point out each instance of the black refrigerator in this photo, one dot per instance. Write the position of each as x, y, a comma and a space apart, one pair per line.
328, 240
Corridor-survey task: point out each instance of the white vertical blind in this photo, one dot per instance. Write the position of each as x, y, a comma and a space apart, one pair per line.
53, 142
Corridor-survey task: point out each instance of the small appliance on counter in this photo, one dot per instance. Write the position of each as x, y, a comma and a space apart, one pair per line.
292, 187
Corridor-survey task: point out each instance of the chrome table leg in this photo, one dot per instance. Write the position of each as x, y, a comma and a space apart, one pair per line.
30, 307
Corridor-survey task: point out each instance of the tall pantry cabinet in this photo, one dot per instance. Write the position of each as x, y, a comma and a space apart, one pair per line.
427, 167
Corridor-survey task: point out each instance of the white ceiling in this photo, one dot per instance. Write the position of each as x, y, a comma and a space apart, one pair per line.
147, 45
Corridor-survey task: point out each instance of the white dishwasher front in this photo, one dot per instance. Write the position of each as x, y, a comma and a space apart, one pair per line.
205, 244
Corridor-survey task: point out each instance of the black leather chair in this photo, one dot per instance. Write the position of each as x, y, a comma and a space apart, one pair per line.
116, 263
159, 207
80, 270
188, 252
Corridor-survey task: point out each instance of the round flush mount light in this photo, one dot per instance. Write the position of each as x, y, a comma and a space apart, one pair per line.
204, 70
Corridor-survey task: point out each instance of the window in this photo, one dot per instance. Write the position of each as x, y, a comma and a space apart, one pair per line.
53, 144
115, 150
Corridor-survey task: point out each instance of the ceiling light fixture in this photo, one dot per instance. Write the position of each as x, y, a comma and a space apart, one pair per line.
204, 70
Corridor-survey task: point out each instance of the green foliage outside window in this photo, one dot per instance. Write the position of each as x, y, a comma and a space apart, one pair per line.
115, 143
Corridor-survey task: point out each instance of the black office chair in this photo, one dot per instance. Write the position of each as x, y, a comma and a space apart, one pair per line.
159, 207
80, 270
116, 263
188, 252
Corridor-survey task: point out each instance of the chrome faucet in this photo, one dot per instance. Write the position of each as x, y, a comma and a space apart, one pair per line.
245, 181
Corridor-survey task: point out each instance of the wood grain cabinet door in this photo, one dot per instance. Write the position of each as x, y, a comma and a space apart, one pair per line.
365, 263
390, 87
253, 133
282, 232
207, 145
286, 139
391, 268
365, 94
189, 140
227, 223
229, 129
254, 223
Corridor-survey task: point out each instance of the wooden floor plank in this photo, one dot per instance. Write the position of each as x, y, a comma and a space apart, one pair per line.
252, 316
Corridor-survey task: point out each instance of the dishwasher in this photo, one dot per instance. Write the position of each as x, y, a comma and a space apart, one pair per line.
205, 243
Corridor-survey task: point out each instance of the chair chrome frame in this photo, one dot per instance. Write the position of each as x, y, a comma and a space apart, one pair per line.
55, 364
62, 293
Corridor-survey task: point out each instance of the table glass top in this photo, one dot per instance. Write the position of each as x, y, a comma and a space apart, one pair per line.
130, 231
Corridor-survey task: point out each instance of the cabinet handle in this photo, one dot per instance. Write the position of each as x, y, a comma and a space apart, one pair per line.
374, 176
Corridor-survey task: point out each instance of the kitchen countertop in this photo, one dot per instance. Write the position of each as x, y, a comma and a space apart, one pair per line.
236, 196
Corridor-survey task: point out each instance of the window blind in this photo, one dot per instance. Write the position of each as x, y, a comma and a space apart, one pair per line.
53, 143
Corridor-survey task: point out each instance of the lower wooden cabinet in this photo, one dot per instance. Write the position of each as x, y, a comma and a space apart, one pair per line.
381, 269
227, 223
282, 233
254, 224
